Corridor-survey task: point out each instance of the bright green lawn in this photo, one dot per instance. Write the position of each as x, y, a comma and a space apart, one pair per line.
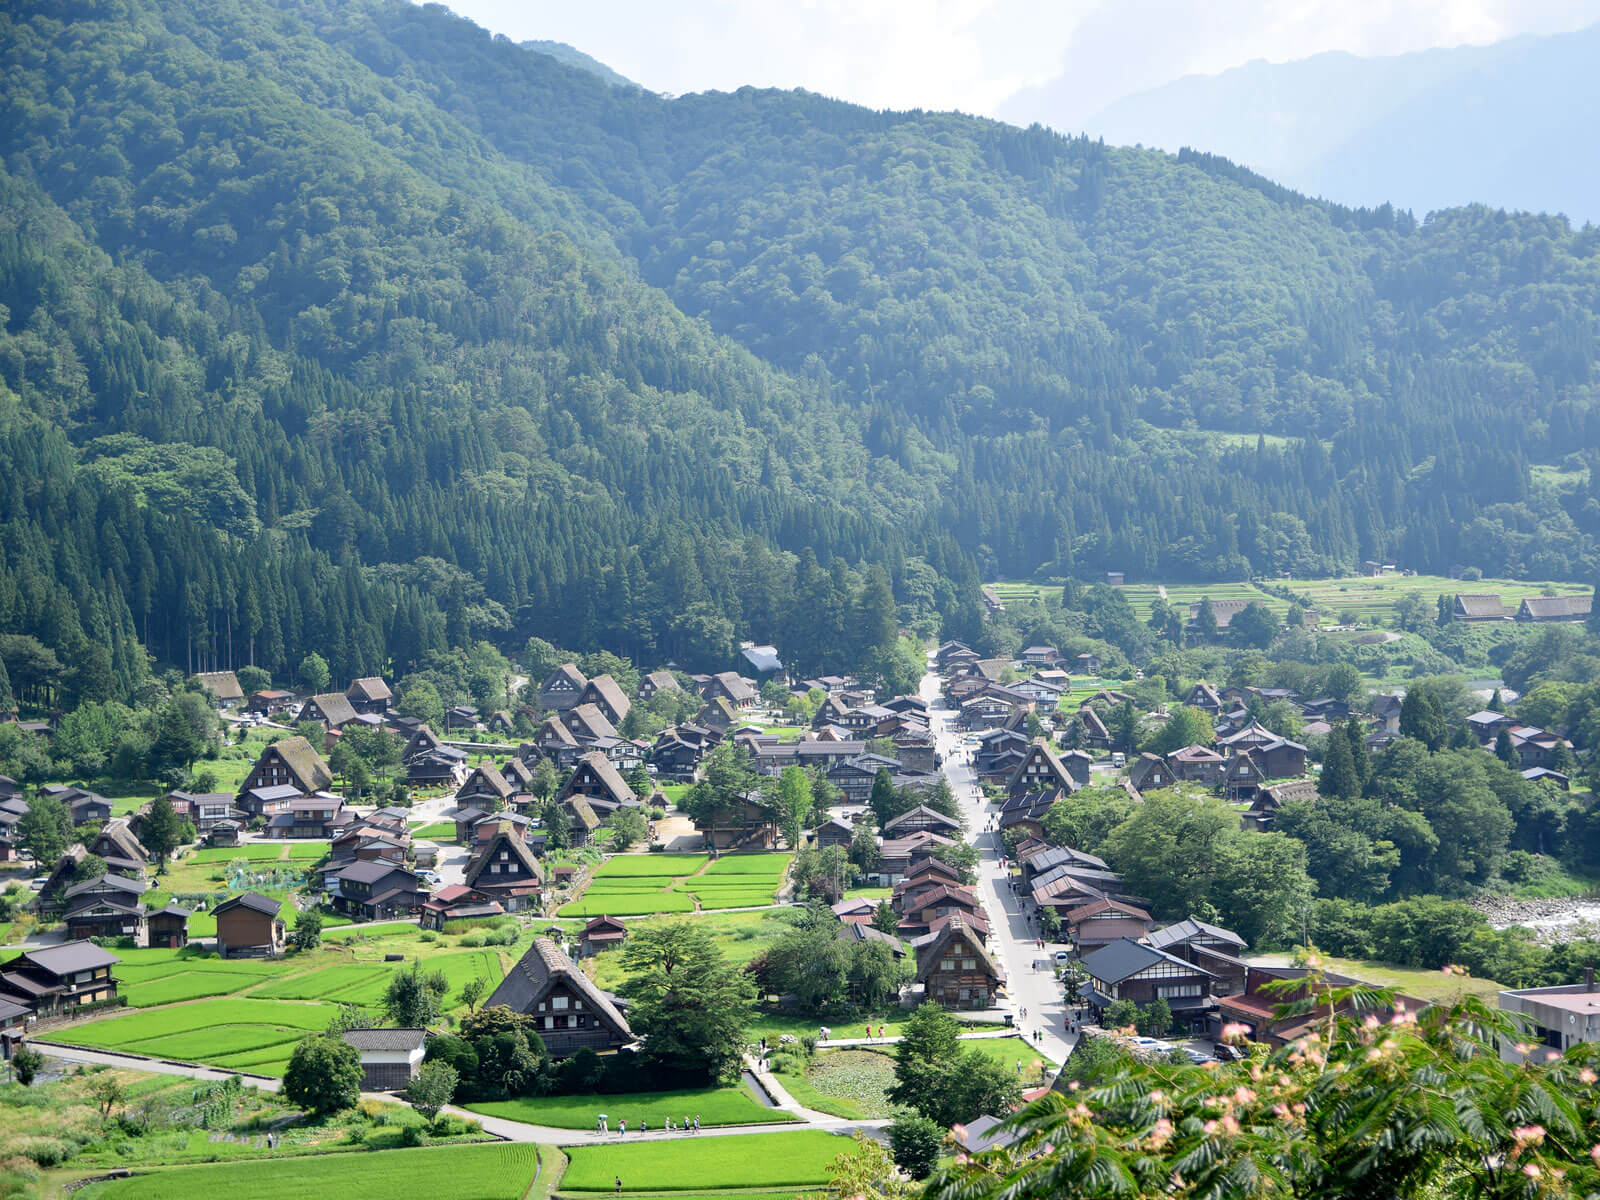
439, 831
788, 1159
206, 1031
773, 865
650, 864
481, 1172
627, 904
714, 1106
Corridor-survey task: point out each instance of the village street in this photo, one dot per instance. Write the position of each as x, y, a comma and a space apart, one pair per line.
1030, 977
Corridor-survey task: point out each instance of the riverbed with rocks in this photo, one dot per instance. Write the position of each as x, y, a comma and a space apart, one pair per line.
1555, 920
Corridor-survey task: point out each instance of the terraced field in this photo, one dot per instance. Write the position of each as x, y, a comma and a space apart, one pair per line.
637, 885
797, 1159
485, 1172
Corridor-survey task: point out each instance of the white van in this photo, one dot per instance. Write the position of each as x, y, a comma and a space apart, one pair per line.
1119, 759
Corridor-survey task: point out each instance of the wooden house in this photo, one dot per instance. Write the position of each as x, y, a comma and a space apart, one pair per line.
588, 724
605, 694
167, 928
249, 926
1150, 773
292, 762
1260, 1005
1482, 606
106, 907
657, 681
320, 816
333, 709
745, 825
1100, 922
1129, 970
1204, 697
718, 713
1540, 609
390, 1058
54, 981
485, 789
595, 779
572, 1013
732, 687
83, 806
562, 687
1040, 770
1095, 734
833, 832
458, 903
582, 820
224, 685
1197, 764
955, 970
1218, 950
376, 891
503, 868
370, 695
269, 702
921, 819
124, 854
600, 934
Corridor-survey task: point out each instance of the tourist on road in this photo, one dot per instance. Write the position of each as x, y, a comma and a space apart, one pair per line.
697, 1122
622, 1129
619, 1185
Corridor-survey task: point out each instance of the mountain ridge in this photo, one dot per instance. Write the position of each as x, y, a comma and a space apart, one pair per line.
496, 348
1409, 129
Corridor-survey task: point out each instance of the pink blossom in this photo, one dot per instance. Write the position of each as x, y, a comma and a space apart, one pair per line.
1531, 1170
1587, 1076
1211, 1127
1234, 1031
1528, 1135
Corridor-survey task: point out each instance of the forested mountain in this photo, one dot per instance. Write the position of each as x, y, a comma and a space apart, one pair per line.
346, 326
1433, 129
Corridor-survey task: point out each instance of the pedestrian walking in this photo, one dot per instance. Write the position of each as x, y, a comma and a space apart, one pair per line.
619, 1185
644, 1127
697, 1122
599, 1124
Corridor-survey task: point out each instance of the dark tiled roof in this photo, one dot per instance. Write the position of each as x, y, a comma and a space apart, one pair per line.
254, 901
385, 1039
68, 958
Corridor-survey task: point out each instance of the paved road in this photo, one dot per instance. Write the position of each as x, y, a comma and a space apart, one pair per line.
1012, 937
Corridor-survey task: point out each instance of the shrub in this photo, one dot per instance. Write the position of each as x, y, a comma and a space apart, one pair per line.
473, 939
428, 935
412, 1135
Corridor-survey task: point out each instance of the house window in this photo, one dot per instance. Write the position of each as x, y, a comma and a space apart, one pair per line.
948, 964
1175, 990
494, 868
558, 1002
969, 964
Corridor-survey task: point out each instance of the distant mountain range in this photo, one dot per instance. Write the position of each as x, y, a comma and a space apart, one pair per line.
1508, 125
573, 57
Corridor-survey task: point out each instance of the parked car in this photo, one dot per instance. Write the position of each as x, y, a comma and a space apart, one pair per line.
1063, 955
1198, 1057
1119, 759
1227, 1053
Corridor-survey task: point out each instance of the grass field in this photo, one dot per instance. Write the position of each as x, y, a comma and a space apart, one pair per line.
439, 831
796, 1159
638, 885
1371, 599
714, 1106
223, 1032
482, 1172
629, 865
1433, 986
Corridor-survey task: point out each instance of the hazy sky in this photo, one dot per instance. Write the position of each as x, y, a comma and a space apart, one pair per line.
973, 54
